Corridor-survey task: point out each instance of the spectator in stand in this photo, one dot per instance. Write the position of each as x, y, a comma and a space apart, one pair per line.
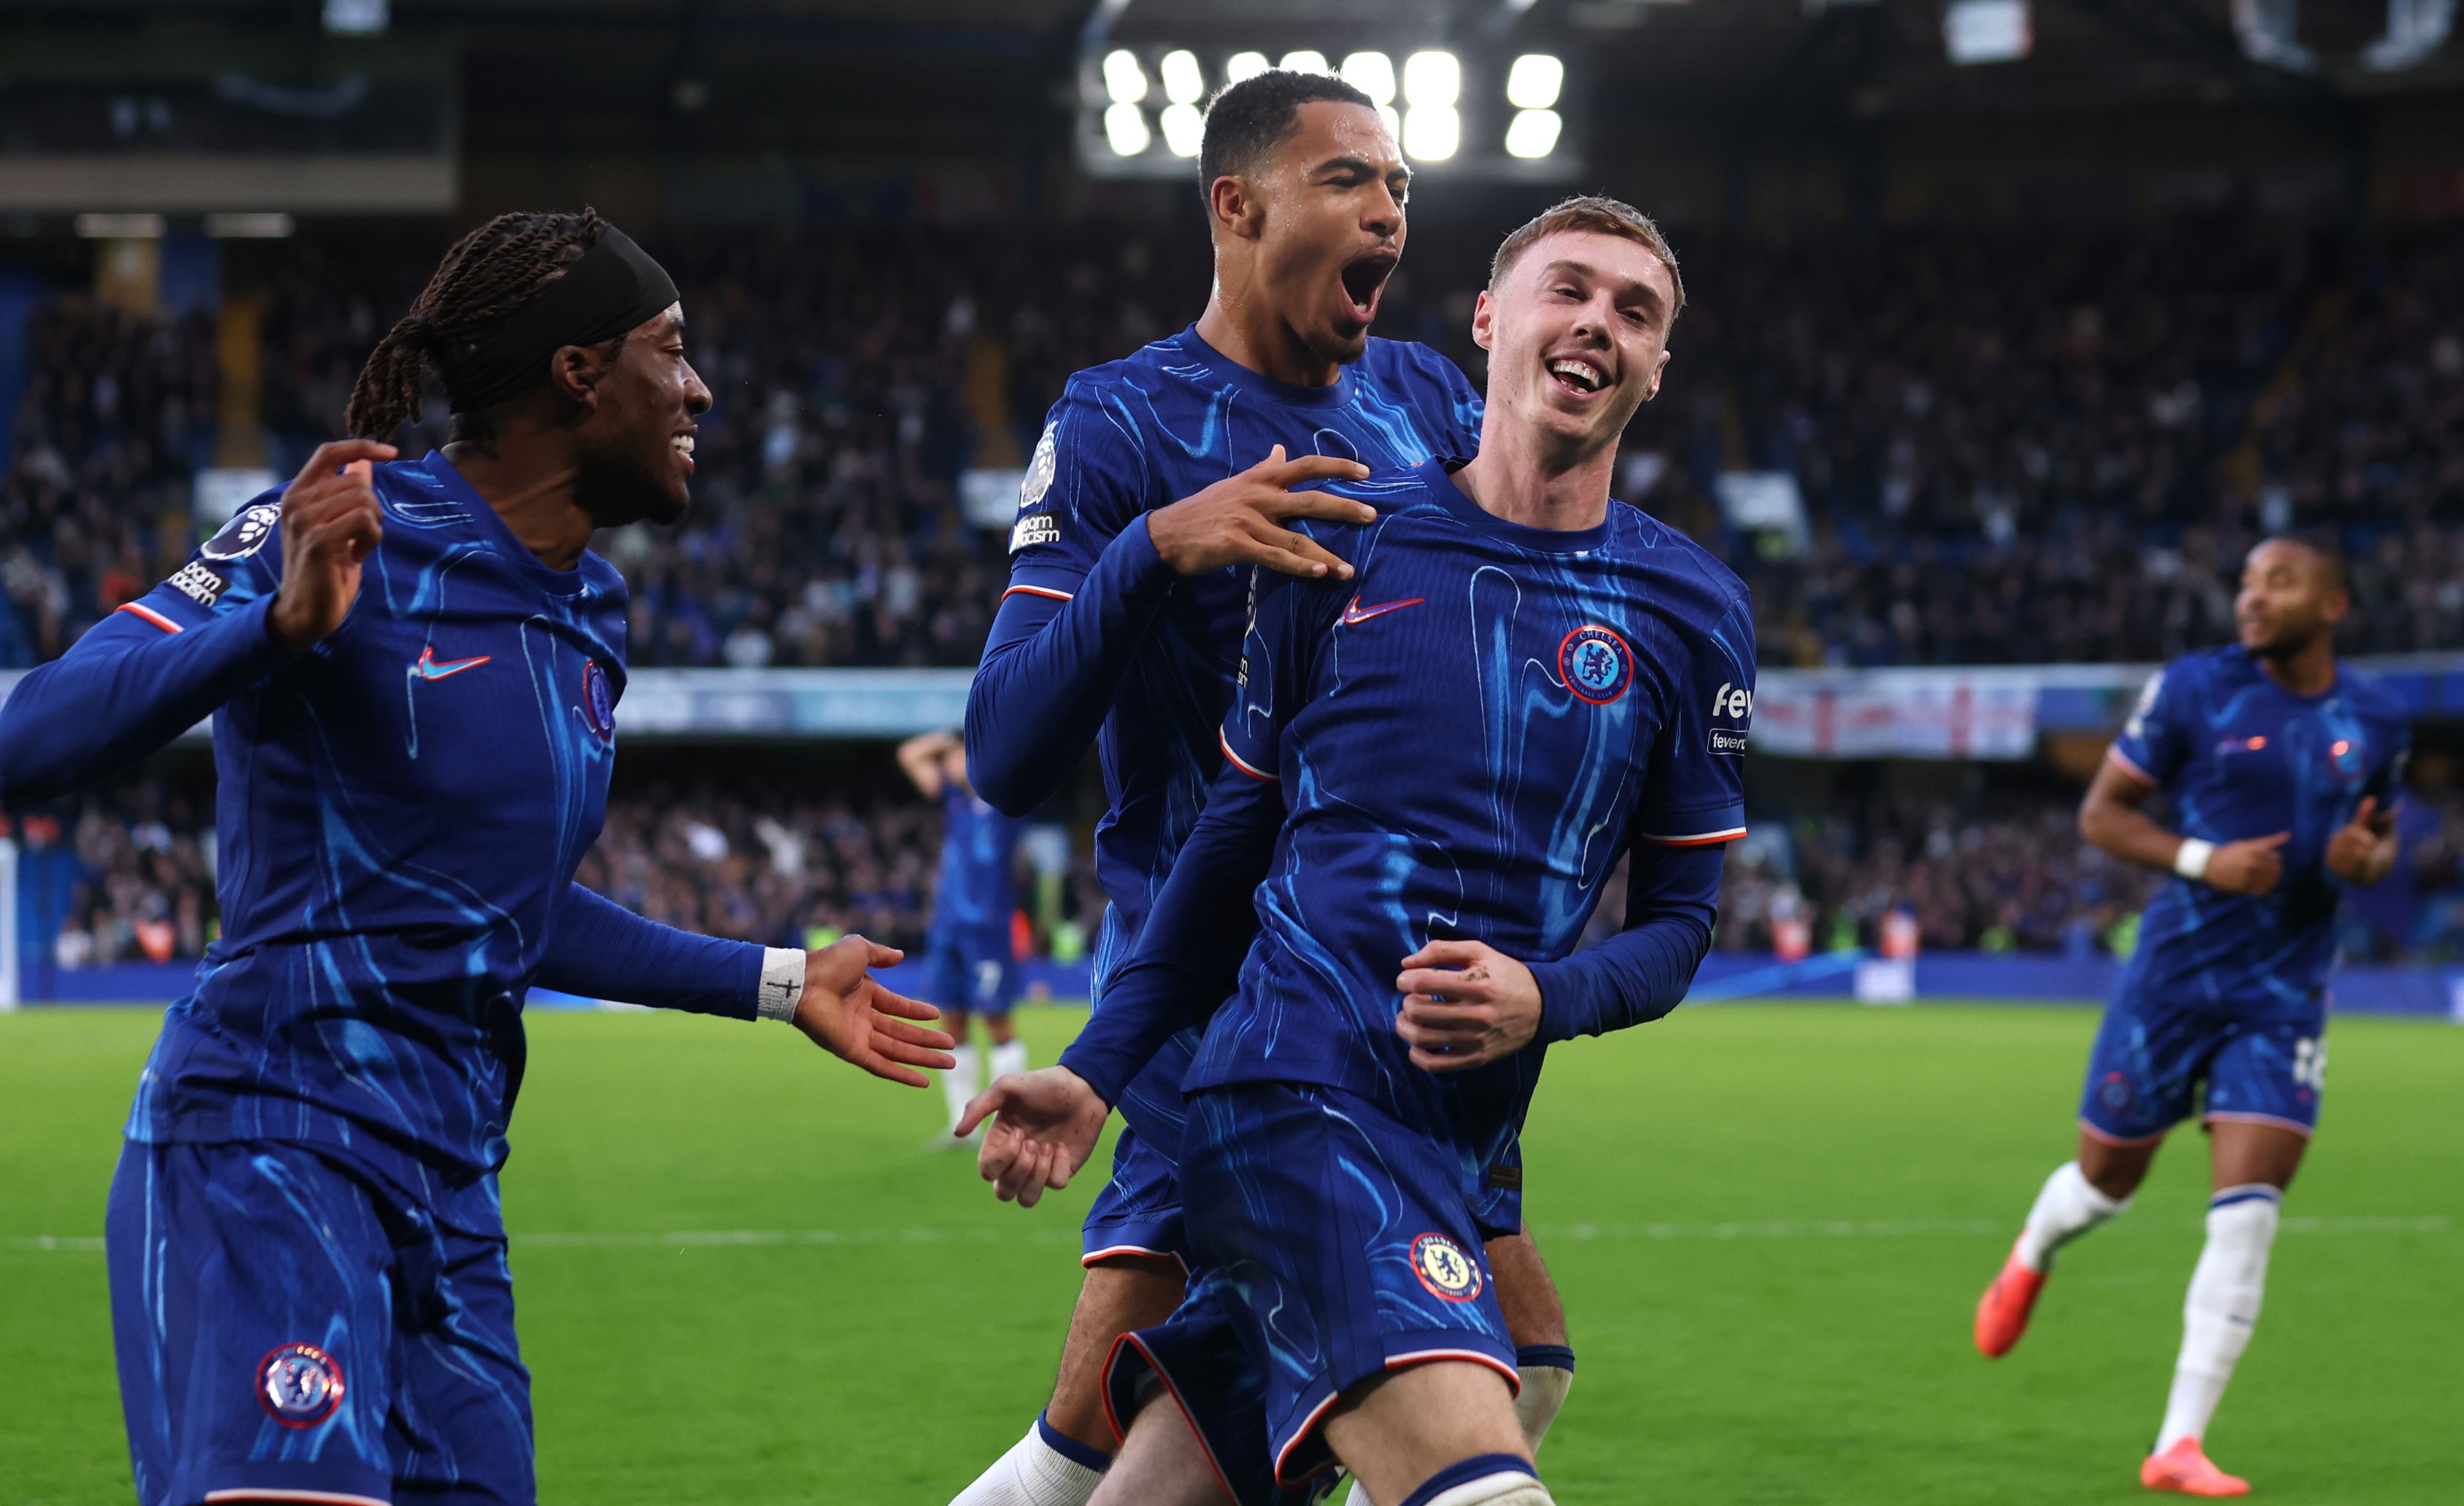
2013, 445
799, 862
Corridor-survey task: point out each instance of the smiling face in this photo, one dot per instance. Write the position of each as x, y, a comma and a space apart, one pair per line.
636, 444
2290, 595
1324, 213
1577, 331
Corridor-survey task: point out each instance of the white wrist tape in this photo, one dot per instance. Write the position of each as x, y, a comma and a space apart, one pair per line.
783, 983
2191, 861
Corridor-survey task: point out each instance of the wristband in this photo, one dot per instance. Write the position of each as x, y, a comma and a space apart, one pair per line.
2191, 861
782, 984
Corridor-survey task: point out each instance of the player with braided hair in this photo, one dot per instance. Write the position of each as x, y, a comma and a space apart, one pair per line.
414, 668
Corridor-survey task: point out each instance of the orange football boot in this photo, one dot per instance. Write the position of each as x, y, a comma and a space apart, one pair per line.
2002, 1312
2185, 1468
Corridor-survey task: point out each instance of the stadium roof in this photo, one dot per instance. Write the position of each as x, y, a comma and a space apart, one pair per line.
891, 75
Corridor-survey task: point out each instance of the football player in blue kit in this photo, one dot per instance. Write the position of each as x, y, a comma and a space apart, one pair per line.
413, 669
1155, 478
2282, 768
1430, 767
968, 954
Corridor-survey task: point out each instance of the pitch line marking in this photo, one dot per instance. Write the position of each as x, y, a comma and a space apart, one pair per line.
985, 1234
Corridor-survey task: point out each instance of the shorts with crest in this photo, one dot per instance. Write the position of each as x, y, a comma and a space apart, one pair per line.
294, 1323
1332, 1243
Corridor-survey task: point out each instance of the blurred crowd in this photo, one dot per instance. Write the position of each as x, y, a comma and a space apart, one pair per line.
117, 414
772, 859
793, 861
2049, 443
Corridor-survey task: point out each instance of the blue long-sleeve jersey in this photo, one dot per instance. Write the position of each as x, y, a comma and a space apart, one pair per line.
2240, 756
977, 892
1460, 741
400, 812
1098, 641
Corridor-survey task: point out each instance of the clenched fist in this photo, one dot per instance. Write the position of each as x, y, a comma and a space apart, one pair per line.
2251, 866
2359, 852
331, 524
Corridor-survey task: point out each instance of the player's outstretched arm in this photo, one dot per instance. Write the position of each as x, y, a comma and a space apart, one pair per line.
850, 1015
2111, 819
144, 675
1045, 1126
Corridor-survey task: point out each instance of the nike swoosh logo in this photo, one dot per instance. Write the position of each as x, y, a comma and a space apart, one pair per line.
428, 669
1355, 614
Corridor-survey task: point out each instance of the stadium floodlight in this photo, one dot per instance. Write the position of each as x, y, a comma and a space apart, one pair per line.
1393, 122
1184, 128
1532, 134
357, 18
1535, 81
1244, 66
1123, 78
1124, 127
1306, 60
1372, 73
1183, 83
1431, 132
1432, 78
1987, 30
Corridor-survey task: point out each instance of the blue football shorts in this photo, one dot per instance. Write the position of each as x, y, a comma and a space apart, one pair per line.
291, 1324
978, 973
1332, 1243
2151, 1059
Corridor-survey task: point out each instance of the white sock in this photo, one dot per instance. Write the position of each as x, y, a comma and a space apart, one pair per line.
958, 1083
2068, 1207
1009, 1058
1504, 1488
2223, 1306
1032, 1473
1543, 1394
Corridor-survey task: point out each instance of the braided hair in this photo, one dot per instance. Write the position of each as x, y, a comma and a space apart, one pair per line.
487, 274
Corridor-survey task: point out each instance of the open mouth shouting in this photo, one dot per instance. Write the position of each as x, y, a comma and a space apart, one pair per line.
1364, 279
1580, 374
683, 445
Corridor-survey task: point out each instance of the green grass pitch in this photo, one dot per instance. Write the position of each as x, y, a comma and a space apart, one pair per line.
741, 1280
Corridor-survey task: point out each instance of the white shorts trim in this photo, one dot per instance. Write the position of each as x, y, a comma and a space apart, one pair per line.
1092, 1257
330, 1497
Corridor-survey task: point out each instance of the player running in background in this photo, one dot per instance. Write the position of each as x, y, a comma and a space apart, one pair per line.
1121, 626
413, 670
1430, 768
971, 961
2282, 769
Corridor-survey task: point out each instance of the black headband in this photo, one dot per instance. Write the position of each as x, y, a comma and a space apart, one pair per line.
613, 288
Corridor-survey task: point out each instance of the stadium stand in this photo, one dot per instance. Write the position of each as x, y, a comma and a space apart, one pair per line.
784, 860
2006, 445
